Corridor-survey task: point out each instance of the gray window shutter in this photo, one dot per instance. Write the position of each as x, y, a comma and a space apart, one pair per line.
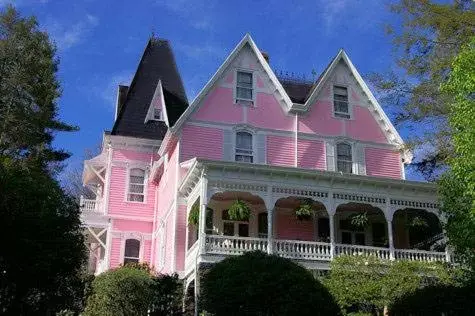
228, 150
360, 159
261, 148
330, 155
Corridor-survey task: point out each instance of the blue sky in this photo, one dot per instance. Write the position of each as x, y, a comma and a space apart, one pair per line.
100, 44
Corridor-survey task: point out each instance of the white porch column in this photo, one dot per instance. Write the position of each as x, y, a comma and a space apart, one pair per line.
388, 214
331, 216
270, 230
270, 221
202, 220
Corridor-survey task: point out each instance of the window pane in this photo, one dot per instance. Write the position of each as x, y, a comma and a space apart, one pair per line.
228, 229
243, 158
323, 229
132, 248
137, 172
244, 140
244, 230
343, 151
346, 238
345, 166
244, 79
136, 198
136, 188
341, 106
244, 93
157, 114
262, 224
340, 90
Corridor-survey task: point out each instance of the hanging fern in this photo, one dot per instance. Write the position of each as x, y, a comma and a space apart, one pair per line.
359, 220
305, 210
239, 211
194, 216
418, 223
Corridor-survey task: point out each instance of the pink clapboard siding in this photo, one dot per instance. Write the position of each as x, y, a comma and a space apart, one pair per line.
128, 155
320, 120
383, 163
364, 127
133, 226
311, 154
218, 106
147, 251
290, 228
202, 142
169, 244
115, 259
268, 113
118, 204
181, 237
167, 184
280, 150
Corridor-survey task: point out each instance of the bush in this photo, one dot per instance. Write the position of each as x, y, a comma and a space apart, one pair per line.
134, 290
260, 284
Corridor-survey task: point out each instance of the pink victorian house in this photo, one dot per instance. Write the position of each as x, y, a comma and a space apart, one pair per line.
267, 140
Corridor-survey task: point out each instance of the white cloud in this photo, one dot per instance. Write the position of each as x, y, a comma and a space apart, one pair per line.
66, 37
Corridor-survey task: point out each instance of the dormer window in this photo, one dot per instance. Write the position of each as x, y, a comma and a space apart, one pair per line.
340, 102
157, 114
344, 158
244, 86
244, 150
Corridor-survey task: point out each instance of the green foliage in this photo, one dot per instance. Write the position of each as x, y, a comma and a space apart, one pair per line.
437, 300
43, 246
431, 35
368, 284
29, 90
239, 211
305, 210
259, 284
457, 186
359, 219
122, 291
134, 289
194, 216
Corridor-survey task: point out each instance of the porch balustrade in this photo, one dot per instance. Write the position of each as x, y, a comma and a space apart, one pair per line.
88, 205
229, 245
419, 255
354, 250
304, 250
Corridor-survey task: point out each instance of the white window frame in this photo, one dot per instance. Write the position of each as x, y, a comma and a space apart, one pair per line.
350, 109
354, 164
254, 144
254, 90
160, 118
145, 184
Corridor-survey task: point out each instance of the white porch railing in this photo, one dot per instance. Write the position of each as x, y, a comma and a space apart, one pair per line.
353, 250
87, 205
190, 258
305, 250
230, 245
419, 255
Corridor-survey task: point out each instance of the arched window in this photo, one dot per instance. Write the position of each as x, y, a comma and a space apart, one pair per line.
262, 225
136, 185
244, 150
132, 251
344, 159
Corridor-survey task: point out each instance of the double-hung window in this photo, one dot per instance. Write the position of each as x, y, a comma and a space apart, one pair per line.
344, 158
244, 150
132, 251
340, 102
157, 114
244, 86
136, 191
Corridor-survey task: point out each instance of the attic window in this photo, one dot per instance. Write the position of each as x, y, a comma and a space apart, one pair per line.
244, 86
340, 102
157, 114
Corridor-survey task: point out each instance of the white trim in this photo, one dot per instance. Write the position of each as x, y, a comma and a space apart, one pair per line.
108, 177
296, 141
151, 109
204, 92
175, 213
132, 143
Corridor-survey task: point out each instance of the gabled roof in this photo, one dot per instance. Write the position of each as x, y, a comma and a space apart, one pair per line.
157, 64
246, 40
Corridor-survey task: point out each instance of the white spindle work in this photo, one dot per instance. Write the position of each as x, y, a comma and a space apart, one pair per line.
419, 255
305, 250
88, 205
230, 245
355, 250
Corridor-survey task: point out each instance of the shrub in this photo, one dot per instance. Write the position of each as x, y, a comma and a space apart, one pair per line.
260, 284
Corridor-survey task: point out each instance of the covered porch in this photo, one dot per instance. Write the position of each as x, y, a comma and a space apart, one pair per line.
349, 215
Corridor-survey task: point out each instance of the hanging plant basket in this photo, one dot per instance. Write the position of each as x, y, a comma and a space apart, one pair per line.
418, 223
359, 220
305, 210
239, 211
194, 215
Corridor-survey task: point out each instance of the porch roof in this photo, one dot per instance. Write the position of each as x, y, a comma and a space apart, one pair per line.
308, 177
